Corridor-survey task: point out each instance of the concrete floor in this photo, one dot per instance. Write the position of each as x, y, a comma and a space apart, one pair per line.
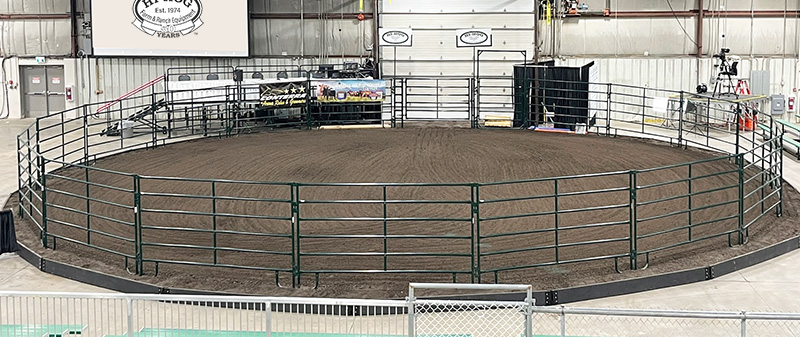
771, 286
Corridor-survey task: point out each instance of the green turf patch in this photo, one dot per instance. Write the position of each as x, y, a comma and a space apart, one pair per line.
54, 330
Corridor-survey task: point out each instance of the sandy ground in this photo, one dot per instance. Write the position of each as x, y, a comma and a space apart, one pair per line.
402, 156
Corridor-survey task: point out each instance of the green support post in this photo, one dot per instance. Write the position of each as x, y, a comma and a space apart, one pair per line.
738, 112
385, 233
740, 169
295, 235
137, 224
30, 171
88, 207
680, 121
779, 209
475, 199
44, 210
85, 136
690, 202
608, 109
39, 161
310, 117
555, 215
214, 216
633, 225
19, 180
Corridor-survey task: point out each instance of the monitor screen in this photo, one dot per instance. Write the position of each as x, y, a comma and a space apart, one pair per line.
211, 28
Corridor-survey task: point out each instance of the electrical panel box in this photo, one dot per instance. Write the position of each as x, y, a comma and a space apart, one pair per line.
778, 104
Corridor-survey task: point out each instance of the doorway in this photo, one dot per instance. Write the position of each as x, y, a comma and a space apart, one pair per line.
42, 90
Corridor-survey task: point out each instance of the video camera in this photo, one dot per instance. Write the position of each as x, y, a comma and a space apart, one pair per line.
723, 54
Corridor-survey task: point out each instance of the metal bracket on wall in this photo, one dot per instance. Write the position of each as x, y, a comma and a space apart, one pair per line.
42, 264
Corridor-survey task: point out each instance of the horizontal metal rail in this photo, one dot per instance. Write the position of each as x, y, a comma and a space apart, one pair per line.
79, 137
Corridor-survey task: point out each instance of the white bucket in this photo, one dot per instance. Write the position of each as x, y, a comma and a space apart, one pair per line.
580, 128
127, 129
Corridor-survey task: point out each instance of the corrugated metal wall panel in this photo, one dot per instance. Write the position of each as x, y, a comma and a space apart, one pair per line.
35, 37
34, 6
683, 74
113, 77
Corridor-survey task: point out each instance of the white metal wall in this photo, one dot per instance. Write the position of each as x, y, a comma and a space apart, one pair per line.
683, 74
434, 51
105, 79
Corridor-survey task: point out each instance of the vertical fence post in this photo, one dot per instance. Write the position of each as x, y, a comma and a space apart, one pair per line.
529, 303
608, 109
214, 216
310, 121
563, 320
63, 142
738, 126
385, 232
680, 120
740, 169
555, 215
404, 100
85, 136
44, 210
30, 170
137, 224
39, 161
129, 314
411, 315
644, 106
744, 323
268, 317
88, 206
633, 215
19, 179
153, 111
476, 233
779, 209
690, 201
295, 234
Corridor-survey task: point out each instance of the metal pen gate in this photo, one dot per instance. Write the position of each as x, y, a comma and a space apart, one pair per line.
494, 94
432, 99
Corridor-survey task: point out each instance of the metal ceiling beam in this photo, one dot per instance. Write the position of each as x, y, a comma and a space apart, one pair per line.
311, 16
34, 16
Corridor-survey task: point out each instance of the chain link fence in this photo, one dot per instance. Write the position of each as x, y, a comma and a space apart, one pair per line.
24, 314
465, 318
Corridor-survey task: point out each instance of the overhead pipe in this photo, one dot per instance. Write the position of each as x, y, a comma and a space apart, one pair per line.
34, 16
699, 38
73, 14
310, 16
376, 57
692, 13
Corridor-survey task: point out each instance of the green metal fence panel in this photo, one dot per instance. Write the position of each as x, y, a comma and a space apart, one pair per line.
43, 148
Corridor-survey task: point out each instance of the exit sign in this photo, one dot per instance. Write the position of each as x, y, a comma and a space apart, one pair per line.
40, 59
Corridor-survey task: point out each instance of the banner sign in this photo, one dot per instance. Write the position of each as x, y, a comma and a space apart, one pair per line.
348, 91
395, 37
473, 38
283, 94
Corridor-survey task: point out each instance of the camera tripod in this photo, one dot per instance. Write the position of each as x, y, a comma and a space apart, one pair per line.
723, 86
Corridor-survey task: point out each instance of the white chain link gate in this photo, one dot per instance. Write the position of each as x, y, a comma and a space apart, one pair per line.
455, 318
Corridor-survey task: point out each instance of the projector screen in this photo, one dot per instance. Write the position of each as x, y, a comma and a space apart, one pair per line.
170, 28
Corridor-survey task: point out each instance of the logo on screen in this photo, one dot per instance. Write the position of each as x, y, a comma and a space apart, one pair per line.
167, 18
